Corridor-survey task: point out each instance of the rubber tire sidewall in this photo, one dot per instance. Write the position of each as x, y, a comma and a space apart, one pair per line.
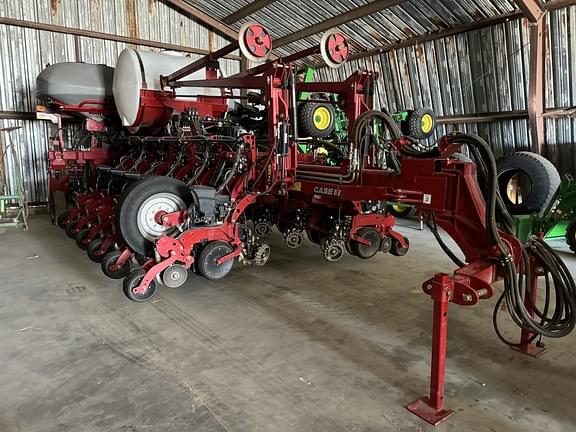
357, 247
93, 246
543, 175
131, 201
200, 262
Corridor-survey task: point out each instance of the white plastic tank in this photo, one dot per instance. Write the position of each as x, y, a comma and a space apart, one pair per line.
141, 70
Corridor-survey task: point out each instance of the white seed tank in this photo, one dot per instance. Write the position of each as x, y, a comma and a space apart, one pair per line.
141, 70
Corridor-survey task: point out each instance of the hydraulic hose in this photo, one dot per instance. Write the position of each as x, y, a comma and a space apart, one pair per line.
554, 320
356, 153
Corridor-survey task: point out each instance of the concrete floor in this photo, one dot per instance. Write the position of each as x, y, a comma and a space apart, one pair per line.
299, 345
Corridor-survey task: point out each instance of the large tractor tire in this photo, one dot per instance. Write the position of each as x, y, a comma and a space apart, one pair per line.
316, 119
527, 182
140, 203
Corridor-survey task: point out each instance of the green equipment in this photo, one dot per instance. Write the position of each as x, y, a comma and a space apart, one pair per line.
557, 221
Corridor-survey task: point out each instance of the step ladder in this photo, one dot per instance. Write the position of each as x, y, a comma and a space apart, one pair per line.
13, 208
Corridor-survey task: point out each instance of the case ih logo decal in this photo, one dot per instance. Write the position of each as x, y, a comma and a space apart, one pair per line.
335, 192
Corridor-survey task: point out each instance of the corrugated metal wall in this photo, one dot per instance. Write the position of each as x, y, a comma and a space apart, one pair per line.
25, 52
483, 71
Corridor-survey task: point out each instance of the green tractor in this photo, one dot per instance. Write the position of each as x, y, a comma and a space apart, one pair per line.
322, 124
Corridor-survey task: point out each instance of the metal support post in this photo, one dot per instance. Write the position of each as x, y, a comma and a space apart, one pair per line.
431, 408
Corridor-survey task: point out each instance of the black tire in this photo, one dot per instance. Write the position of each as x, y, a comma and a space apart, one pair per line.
397, 249
416, 126
404, 212
80, 238
206, 262
533, 172
364, 251
93, 248
109, 260
134, 197
571, 236
132, 281
61, 219
308, 113
71, 230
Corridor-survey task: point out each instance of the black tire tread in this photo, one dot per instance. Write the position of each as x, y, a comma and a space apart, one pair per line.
306, 120
548, 180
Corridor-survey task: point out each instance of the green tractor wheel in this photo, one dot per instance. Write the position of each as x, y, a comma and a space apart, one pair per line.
316, 119
419, 123
402, 210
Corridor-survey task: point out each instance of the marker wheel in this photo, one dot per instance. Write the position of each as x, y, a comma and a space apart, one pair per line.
334, 49
255, 42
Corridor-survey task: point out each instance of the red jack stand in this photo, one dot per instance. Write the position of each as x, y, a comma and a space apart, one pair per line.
431, 409
525, 346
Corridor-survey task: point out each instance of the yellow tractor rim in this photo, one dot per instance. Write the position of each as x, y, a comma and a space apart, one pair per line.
398, 207
427, 123
322, 118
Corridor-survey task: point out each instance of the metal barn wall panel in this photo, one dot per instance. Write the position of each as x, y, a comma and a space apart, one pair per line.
25, 52
561, 91
483, 71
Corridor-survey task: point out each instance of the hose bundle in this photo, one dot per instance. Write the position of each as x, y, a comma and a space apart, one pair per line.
557, 317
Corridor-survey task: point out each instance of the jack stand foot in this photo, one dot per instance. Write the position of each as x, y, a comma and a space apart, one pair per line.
425, 411
532, 350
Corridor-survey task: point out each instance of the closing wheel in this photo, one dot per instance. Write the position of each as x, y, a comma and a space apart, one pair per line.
571, 236
109, 268
316, 119
334, 49
133, 281
366, 251
333, 249
142, 202
61, 221
255, 42
293, 238
174, 276
397, 249
81, 238
207, 262
93, 250
71, 230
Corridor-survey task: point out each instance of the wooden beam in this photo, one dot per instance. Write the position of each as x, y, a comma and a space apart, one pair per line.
17, 115
536, 86
247, 10
557, 4
207, 20
104, 36
534, 12
532, 9
346, 17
